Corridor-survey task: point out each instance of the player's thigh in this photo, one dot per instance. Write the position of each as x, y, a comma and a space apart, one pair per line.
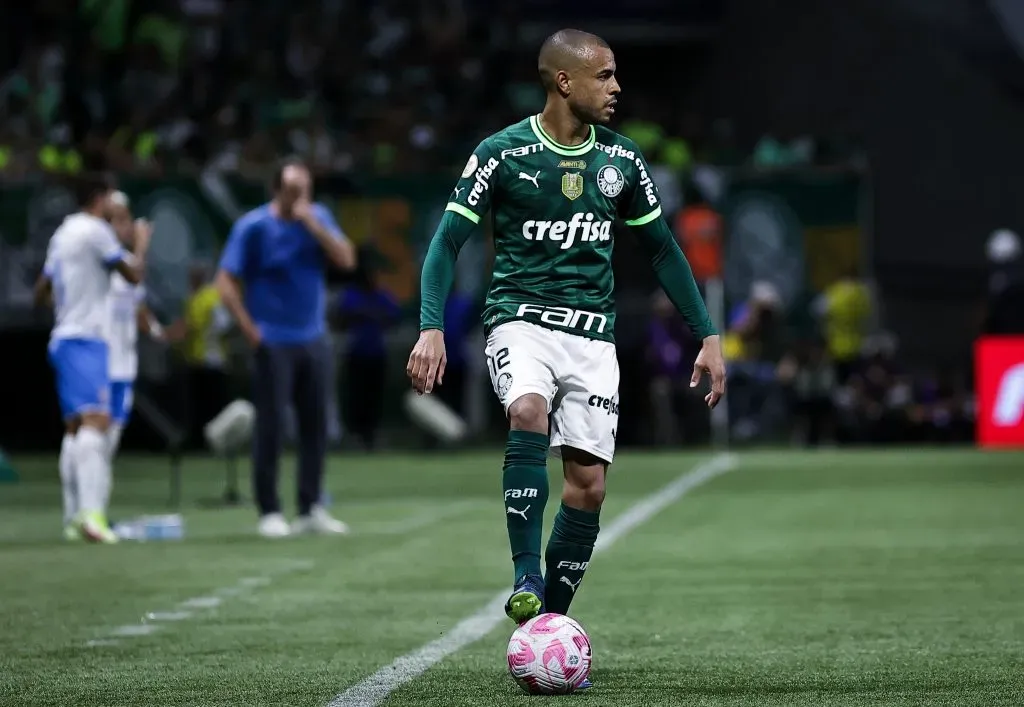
83, 383
122, 397
586, 412
520, 361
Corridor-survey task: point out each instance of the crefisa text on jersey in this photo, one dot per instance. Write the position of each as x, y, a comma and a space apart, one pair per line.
565, 231
481, 181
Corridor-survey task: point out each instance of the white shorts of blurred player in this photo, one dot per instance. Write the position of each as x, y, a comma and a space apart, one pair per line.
577, 376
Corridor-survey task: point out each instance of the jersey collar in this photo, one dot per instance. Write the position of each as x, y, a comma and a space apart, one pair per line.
564, 150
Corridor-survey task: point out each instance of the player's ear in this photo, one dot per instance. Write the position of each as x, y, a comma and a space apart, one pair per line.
564, 83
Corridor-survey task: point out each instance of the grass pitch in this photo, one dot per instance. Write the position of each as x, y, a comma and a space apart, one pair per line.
828, 578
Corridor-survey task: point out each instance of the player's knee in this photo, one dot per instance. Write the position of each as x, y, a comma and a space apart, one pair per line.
584, 480
586, 494
529, 413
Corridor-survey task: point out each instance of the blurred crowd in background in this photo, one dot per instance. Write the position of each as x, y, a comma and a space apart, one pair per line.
395, 87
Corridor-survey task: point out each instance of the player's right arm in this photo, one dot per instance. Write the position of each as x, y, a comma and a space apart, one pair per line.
230, 275
42, 291
133, 269
641, 209
104, 245
469, 202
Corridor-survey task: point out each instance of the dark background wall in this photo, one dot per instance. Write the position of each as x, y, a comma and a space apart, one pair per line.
929, 89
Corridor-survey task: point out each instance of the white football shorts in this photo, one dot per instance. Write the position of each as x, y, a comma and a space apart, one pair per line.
577, 376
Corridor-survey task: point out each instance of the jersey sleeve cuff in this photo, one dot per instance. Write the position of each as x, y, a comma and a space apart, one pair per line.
643, 220
462, 211
115, 257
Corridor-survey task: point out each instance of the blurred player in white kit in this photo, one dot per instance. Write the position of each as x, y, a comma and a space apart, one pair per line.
82, 254
128, 314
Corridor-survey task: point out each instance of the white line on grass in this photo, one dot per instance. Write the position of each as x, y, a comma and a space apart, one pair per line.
376, 688
151, 620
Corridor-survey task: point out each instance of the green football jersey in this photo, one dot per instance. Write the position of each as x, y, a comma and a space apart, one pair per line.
552, 209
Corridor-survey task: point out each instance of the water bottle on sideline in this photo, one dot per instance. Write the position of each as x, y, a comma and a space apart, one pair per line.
160, 527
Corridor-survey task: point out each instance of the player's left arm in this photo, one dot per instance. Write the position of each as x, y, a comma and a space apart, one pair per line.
321, 224
148, 323
642, 213
42, 291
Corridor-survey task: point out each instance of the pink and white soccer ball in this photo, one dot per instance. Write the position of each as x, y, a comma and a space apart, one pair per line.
549, 655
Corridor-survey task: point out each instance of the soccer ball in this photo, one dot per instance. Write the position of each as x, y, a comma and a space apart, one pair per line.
549, 655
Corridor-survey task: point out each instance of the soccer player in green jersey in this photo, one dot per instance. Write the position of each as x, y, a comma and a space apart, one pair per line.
554, 183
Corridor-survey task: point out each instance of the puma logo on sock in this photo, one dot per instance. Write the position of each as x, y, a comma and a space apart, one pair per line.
509, 510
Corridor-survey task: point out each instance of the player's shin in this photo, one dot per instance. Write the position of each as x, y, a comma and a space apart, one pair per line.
113, 441
68, 479
568, 555
525, 481
93, 470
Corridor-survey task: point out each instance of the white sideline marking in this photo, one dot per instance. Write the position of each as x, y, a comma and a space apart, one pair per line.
134, 630
168, 615
201, 603
151, 620
254, 581
376, 688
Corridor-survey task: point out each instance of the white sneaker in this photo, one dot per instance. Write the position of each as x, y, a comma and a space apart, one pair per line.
273, 525
319, 521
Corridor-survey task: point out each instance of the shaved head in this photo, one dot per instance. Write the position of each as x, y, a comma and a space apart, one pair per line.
578, 72
566, 50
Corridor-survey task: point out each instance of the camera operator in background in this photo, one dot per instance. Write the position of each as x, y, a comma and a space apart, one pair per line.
755, 344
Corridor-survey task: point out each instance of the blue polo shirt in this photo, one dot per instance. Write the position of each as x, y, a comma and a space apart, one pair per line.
282, 267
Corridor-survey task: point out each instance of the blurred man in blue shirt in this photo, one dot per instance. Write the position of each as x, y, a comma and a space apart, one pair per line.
271, 279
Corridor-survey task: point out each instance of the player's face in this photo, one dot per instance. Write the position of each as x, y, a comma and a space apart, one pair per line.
595, 88
296, 184
121, 220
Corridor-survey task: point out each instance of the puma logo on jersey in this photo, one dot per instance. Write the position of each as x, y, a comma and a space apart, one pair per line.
582, 225
459, 190
509, 510
572, 585
527, 177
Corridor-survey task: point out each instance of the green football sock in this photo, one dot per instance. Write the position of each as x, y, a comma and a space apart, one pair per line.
568, 554
525, 481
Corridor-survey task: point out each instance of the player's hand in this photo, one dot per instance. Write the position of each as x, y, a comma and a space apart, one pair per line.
303, 211
252, 335
427, 361
711, 361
